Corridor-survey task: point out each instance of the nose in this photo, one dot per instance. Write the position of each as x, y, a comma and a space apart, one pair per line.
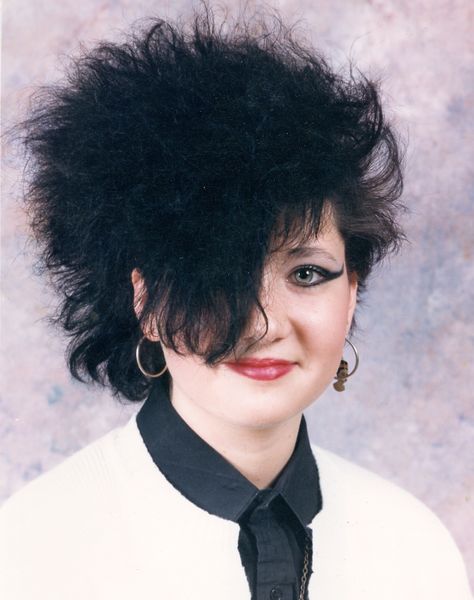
277, 324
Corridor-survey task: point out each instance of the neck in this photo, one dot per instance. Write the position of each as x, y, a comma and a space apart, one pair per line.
259, 454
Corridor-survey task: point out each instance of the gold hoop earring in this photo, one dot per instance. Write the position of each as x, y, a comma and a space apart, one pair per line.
343, 371
140, 366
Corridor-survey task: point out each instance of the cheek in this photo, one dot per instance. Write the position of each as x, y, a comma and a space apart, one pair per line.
321, 327
183, 369
194, 379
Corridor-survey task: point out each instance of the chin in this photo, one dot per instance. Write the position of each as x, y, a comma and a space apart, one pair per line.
264, 412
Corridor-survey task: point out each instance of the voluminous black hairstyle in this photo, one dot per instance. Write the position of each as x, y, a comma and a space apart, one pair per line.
184, 152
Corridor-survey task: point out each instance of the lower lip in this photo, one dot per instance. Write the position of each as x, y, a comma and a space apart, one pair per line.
267, 373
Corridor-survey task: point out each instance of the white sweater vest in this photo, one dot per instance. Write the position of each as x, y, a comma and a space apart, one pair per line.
106, 524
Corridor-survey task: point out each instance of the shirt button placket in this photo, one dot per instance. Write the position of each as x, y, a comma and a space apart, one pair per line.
276, 593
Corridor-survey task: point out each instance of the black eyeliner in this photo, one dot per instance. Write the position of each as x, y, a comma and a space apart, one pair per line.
325, 274
328, 275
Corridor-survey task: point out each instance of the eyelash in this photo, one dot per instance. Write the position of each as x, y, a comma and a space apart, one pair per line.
324, 274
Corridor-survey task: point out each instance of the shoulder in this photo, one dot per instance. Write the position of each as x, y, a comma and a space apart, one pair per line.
370, 497
384, 531
75, 496
69, 516
340, 476
82, 477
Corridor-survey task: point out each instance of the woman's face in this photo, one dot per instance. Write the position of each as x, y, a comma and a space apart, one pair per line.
309, 299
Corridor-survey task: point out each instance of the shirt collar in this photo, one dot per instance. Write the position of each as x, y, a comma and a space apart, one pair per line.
208, 480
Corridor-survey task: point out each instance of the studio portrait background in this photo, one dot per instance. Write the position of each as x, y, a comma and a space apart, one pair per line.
408, 412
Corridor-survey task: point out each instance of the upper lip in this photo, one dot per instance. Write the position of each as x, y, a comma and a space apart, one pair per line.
261, 362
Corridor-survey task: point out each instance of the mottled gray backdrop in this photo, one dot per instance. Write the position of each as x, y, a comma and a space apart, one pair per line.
408, 414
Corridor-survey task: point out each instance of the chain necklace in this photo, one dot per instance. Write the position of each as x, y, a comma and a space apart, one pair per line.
304, 576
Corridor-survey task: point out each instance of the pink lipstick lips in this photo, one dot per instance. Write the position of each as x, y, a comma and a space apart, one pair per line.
263, 369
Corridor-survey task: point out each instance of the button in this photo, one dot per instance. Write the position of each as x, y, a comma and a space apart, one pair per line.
276, 593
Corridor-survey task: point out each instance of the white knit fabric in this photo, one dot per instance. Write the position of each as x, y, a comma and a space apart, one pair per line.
106, 524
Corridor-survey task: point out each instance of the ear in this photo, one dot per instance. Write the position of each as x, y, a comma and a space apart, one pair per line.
139, 299
139, 292
353, 286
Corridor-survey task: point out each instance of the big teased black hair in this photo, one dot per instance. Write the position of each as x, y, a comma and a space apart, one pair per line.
180, 152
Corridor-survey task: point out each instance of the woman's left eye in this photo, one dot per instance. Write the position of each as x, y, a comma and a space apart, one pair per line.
309, 275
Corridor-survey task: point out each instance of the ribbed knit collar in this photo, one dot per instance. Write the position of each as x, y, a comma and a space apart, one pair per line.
208, 480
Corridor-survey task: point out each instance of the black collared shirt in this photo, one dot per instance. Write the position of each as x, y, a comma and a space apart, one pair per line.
273, 522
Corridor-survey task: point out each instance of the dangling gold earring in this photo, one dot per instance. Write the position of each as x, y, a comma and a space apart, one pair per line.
343, 371
140, 366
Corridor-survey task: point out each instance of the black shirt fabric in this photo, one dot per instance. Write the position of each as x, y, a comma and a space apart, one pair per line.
273, 521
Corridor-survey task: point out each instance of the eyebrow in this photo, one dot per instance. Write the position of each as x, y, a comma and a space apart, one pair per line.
308, 251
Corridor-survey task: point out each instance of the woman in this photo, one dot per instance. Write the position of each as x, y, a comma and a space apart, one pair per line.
210, 203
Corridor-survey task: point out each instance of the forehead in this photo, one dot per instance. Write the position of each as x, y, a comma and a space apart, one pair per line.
301, 242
